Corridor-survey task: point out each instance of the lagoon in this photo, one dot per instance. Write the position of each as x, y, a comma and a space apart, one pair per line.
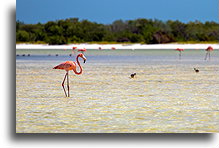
166, 96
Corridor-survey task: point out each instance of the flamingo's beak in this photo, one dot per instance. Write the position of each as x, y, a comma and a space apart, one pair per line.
84, 58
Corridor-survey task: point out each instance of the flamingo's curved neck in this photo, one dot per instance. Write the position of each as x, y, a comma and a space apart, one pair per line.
78, 73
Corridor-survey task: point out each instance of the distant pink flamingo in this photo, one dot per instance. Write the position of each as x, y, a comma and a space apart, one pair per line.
82, 50
73, 49
209, 49
180, 52
70, 65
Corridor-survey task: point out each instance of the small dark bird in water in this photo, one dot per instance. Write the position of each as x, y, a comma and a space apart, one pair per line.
196, 70
57, 55
70, 55
133, 75
28, 55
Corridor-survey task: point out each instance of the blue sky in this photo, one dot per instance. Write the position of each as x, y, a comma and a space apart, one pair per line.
107, 11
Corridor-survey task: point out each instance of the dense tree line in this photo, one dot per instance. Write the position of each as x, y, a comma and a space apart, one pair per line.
135, 31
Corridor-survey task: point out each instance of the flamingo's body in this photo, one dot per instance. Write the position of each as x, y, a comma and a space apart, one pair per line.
70, 65
82, 50
113, 48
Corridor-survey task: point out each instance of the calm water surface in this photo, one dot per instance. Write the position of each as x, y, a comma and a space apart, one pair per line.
166, 96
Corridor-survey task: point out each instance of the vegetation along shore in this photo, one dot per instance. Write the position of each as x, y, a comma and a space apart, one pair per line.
145, 31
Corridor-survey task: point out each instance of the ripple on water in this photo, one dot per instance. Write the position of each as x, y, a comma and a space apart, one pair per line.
162, 98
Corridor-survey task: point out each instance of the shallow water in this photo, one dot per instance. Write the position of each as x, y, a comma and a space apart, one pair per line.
166, 96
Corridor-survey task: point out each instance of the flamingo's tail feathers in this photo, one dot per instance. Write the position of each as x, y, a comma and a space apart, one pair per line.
58, 67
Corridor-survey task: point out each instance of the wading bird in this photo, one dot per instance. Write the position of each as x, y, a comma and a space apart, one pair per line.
70, 65
209, 49
73, 49
196, 70
133, 75
113, 48
82, 50
180, 52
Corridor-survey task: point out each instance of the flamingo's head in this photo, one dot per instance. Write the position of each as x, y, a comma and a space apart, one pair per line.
82, 56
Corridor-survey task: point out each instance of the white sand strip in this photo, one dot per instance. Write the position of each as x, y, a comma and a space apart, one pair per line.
117, 46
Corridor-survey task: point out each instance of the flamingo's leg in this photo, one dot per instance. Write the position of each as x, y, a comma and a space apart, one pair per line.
209, 56
180, 54
68, 85
206, 56
63, 84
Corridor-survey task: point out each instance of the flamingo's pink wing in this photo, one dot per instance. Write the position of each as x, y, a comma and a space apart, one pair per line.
60, 66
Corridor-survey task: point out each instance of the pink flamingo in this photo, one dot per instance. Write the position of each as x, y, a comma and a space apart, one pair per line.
82, 50
113, 48
209, 49
70, 65
73, 49
180, 52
